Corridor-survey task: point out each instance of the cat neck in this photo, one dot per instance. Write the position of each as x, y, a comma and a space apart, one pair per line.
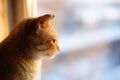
34, 70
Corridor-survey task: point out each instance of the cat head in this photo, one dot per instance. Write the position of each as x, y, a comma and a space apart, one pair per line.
46, 36
40, 34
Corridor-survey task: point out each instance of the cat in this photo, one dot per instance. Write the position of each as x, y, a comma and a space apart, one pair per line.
30, 41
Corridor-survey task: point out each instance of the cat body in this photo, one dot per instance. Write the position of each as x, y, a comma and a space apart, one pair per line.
28, 43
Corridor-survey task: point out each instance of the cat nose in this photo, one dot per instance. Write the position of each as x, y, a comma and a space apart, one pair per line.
58, 48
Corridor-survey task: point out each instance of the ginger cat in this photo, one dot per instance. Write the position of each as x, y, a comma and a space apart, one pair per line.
28, 43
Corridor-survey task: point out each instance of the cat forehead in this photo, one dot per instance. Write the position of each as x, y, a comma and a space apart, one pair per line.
29, 20
26, 20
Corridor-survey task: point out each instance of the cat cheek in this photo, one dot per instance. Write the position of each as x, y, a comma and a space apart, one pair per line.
37, 32
43, 47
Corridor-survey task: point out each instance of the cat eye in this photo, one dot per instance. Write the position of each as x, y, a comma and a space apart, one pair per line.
54, 41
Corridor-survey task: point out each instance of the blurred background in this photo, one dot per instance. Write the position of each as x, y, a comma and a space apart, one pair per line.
89, 36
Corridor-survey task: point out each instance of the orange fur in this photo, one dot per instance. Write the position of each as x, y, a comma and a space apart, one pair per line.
29, 42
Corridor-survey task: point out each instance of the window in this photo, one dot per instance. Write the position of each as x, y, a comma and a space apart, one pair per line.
88, 32
3, 20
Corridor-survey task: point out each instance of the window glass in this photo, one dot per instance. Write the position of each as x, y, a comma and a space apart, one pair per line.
89, 39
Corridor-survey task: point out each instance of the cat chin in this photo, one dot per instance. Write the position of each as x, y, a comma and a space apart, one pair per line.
51, 56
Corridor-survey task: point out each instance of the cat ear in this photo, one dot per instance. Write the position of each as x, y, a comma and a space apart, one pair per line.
40, 21
45, 19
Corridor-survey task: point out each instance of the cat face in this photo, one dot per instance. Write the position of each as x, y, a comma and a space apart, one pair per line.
44, 38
